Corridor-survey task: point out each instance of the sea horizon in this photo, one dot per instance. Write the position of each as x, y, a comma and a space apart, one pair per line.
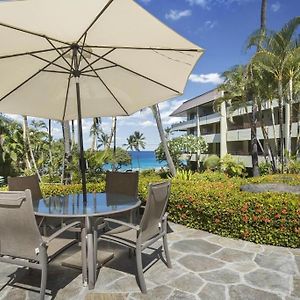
142, 160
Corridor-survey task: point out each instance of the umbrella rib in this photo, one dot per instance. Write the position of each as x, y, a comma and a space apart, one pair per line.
68, 88
80, 57
32, 52
51, 63
109, 90
136, 73
53, 71
32, 76
95, 20
96, 60
49, 41
98, 69
33, 33
151, 48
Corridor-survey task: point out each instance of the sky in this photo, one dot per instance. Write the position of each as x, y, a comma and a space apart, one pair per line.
221, 27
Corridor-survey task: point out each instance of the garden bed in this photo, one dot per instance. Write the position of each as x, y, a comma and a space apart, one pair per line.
214, 202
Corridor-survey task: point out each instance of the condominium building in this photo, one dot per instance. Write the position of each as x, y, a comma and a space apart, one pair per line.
229, 132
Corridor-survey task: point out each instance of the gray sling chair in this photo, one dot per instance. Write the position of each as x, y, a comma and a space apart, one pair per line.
125, 183
31, 183
20, 240
152, 227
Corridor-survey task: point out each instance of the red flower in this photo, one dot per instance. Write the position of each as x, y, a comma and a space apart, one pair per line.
284, 211
255, 218
277, 216
245, 218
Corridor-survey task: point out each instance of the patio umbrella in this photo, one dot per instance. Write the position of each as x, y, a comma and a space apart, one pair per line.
74, 59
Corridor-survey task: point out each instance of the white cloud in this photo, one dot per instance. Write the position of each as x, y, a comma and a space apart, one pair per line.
214, 78
275, 6
175, 15
202, 3
210, 24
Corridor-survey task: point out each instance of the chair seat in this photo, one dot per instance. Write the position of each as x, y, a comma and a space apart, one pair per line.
58, 245
121, 234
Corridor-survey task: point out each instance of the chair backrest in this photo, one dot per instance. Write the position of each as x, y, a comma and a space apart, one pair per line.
19, 234
27, 182
125, 183
156, 206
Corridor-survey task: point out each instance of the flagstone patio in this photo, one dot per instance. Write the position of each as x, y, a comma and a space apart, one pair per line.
205, 266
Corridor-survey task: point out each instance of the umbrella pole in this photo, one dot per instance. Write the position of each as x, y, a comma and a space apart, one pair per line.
80, 141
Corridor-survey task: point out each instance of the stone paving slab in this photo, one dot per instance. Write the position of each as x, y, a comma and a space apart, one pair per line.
205, 266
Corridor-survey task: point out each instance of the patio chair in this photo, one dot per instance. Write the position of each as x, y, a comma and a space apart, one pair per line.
125, 183
31, 183
152, 227
20, 240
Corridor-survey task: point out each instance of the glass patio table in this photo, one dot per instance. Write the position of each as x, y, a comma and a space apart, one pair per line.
72, 206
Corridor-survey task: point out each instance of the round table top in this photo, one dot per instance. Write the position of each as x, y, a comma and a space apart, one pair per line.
98, 204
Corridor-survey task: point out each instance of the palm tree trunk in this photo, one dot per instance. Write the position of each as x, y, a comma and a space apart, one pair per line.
94, 137
73, 134
281, 135
50, 146
27, 161
156, 113
30, 148
112, 132
267, 141
66, 174
254, 148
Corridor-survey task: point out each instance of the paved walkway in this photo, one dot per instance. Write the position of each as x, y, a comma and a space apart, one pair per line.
205, 266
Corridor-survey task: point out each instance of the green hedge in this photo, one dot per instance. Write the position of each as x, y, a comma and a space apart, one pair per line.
213, 202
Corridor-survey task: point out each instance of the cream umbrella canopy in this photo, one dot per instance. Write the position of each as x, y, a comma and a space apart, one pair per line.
73, 59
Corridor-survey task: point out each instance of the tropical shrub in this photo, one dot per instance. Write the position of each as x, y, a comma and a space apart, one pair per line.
230, 167
213, 202
265, 168
186, 144
212, 162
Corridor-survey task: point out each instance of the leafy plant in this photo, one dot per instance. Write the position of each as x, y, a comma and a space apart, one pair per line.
230, 167
212, 162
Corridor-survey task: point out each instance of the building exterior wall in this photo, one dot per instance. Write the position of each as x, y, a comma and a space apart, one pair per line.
230, 133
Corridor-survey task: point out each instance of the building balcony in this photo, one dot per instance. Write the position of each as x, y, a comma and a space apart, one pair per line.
184, 125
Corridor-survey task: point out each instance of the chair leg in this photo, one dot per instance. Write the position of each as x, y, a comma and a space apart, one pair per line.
139, 265
43, 262
83, 256
167, 254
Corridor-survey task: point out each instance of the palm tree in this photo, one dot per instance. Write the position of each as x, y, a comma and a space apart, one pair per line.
103, 140
112, 132
130, 145
66, 175
274, 58
138, 144
29, 146
156, 113
95, 132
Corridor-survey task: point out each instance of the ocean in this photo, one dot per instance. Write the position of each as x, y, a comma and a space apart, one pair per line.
143, 160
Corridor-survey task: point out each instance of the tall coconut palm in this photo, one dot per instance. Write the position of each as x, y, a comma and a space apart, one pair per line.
130, 145
274, 59
103, 140
66, 174
95, 131
29, 146
139, 143
156, 113
112, 132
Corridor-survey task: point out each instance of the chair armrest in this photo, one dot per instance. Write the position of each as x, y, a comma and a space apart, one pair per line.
98, 221
47, 240
165, 217
131, 226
